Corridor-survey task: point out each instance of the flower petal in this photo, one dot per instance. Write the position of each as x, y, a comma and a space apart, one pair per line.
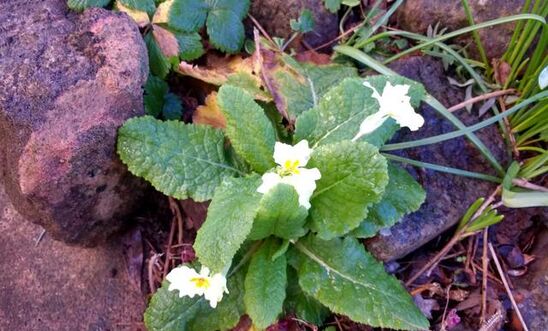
304, 183
370, 124
284, 152
270, 179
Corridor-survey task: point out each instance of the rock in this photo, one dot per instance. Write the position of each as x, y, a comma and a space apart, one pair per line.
532, 290
51, 286
447, 196
417, 15
68, 82
274, 16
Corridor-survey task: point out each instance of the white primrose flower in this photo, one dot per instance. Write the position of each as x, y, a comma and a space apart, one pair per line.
394, 102
291, 161
191, 283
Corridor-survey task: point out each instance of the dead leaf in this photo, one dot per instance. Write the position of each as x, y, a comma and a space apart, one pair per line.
166, 40
210, 113
314, 57
140, 17
502, 71
161, 14
218, 69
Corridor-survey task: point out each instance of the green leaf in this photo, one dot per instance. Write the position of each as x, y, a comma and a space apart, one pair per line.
249, 83
147, 6
353, 102
228, 312
172, 110
190, 45
229, 220
302, 85
402, 195
159, 64
265, 284
280, 215
225, 30
354, 176
155, 91
222, 17
305, 22
304, 306
179, 160
247, 127
167, 312
184, 15
333, 5
344, 277
80, 5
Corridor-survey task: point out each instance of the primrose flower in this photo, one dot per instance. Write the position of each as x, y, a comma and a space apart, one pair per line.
291, 161
191, 283
394, 102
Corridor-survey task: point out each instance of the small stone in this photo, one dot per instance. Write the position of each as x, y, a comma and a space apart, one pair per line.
447, 196
68, 82
417, 15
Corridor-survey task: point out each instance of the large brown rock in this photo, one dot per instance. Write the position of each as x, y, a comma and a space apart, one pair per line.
417, 15
447, 196
68, 82
275, 15
49, 286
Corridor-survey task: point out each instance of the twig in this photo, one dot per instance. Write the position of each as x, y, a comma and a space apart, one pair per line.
525, 184
151, 264
480, 98
168, 249
342, 35
263, 31
508, 291
176, 210
484, 266
508, 127
40, 236
445, 309
455, 239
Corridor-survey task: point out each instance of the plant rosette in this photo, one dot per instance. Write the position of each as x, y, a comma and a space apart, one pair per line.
281, 233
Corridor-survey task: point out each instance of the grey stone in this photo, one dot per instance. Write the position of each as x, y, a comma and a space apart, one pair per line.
68, 82
417, 15
447, 196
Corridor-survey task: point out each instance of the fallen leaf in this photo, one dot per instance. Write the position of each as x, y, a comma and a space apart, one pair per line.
166, 40
218, 69
210, 113
314, 57
502, 71
140, 17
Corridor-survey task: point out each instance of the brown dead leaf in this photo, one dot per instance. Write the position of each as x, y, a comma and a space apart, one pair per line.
314, 57
217, 68
209, 114
501, 70
166, 40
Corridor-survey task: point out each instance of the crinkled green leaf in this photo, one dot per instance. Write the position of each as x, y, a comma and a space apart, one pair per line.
159, 64
222, 17
302, 85
305, 22
354, 176
402, 195
341, 111
228, 311
173, 109
80, 5
304, 306
265, 284
185, 15
190, 45
247, 127
147, 6
229, 220
225, 30
155, 91
280, 215
341, 275
168, 312
179, 160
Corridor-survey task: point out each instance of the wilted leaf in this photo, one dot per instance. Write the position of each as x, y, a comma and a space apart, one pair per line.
210, 114
140, 17
166, 41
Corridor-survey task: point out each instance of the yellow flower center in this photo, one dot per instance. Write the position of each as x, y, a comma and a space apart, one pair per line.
200, 282
289, 168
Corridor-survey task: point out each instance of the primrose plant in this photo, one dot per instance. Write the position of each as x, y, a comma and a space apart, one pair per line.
282, 229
